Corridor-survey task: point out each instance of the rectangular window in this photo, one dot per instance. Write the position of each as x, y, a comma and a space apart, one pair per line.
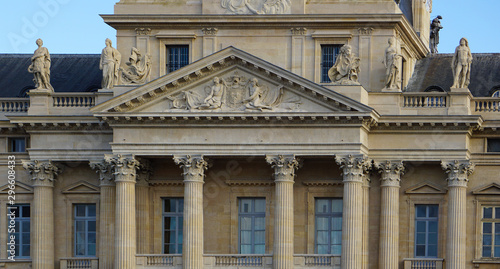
85, 230
493, 145
17, 144
173, 211
252, 225
328, 226
426, 231
177, 57
22, 230
328, 57
491, 232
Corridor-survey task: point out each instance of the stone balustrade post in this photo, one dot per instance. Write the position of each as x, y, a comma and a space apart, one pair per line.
458, 172
192, 247
124, 170
354, 168
284, 173
43, 175
142, 204
106, 214
389, 213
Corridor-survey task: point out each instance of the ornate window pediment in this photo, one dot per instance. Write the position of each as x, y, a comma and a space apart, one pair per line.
21, 188
491, 189
81, 187
425, 188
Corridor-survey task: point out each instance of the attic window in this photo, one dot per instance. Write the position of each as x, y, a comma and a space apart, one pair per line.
493, 145
496, 93
434, 88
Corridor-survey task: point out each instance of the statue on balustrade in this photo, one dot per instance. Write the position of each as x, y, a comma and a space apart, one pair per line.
346, 68
434, 38
40, 67
461, 64
138, 69
392, 62
110, 65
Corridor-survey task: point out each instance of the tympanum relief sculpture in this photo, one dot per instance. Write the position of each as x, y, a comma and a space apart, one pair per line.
235, 93
257, 6
138, 69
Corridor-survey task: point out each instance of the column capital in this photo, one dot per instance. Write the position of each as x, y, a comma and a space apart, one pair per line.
354, 167
105, 171
284, 166
145, 170
124, 167
193, 166
391, 172
458, 172
43, 173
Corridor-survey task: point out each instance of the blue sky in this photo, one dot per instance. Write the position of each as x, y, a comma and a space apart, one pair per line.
74, 26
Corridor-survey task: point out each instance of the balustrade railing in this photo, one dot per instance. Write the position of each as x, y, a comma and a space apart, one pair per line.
417, 263
14, 104
158, 260
486, 104
73, 99
79, 263
318, 260
239, 260
425, 100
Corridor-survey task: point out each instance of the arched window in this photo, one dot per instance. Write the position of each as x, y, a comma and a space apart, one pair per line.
495, 91
24, 91
434, 88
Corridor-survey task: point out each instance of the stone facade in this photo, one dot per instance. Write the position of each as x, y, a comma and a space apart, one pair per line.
250, 118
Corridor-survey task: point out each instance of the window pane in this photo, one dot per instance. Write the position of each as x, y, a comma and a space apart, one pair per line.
180, 205
169, 205
432, 238
322, 237
337, 205
245, 223
328, 225
260, 205
336, 237
322, 205
260, 223
25, 226
497, 228
433, 211
260, 237
322, 223
246, 249
26, 251
91, 250
336, 249
432, 251
26, 212
92, 226
92, 238
421, 211
169, 223
487, 240
80, 250
487, 227
486, 251
337, 224
91, 209
488, 213
322, 249
80, 226
246, 237
497, 252
420, 238
260, 249
420, 251
80, 210
433, 226
421, 227
245, 206
497, 212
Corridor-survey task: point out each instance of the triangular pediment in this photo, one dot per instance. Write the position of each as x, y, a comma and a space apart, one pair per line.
81, 187
21, 188
425, 188
231, 81
491, 189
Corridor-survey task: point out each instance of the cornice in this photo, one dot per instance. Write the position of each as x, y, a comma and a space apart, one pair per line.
60, 123
468, 123
249, 182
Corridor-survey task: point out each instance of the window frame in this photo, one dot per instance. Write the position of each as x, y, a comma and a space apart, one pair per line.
326, 38
253, 215
168, 54
170, 39
487, 146
179, 213
336, 49
427, 219
19, 221
86, 219
494, 220
330, 215
13, 138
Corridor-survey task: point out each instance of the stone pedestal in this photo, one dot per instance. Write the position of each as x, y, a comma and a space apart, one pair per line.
125, 228
42, 249
354, 168
142, 207
192, 248
457, 171
284, 172
106, 214
40, 102
389, 213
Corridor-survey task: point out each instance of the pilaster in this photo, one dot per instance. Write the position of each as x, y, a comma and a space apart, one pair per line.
193, 171
354, 168
458, 172
106, 213
43, 174
284, 173
142, 206
389, 213
124, 170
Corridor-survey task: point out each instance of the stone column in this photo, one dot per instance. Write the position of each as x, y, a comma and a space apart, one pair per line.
366, 223
42, 249
284, 172
354, 169
106, 214
192, 248
457, 171
125, 229
142, 206
389, 213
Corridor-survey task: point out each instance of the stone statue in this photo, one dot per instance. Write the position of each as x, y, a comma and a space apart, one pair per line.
110, 65
460, 64
392, 62
257, 6
139, 68
262, 98
434, 38
346, 68
214, 100
40, 67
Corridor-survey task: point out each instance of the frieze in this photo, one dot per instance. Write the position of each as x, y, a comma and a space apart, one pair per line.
257, 7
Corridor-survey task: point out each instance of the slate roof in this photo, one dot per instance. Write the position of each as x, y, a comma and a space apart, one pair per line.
436, 71
69, 73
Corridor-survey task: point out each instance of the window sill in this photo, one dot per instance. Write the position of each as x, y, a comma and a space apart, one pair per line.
492, 261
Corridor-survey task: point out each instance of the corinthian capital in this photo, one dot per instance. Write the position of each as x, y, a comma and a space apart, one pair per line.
458, 171
284, 166
124, 167
42, 172
193, 166
391, 172
353, 167
105, 171
145, 170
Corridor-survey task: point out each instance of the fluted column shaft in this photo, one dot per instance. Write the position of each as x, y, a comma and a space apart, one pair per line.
354, 169
42, 248
192, 248
366, 223
125, 228
389, 215
107, 207
142, 206
284, 172
457, 171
